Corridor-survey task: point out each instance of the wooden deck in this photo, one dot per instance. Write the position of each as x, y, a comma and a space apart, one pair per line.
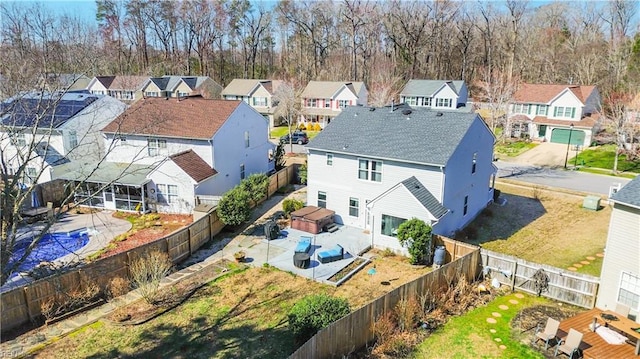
593, 346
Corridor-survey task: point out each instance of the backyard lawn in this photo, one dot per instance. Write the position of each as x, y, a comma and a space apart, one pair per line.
543, 227
280, 131
497, 330
242, 315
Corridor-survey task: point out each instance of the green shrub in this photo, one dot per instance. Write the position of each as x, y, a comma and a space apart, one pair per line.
256, 185
416, 235
291, 204
233, 208
315, 312
302, 173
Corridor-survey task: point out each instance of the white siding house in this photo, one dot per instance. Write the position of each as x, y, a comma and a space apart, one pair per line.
175, 153
257, 94
37, 140
436, 94
620, 276
324, 100
404, 162
556, 113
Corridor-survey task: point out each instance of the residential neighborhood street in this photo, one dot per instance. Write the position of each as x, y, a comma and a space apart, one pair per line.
567, 179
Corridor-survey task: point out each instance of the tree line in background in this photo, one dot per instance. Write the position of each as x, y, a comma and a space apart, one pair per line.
382, 43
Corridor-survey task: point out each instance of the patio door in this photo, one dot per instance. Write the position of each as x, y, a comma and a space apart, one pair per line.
109, 202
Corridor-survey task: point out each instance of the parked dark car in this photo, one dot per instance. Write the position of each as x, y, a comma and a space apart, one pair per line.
299, 137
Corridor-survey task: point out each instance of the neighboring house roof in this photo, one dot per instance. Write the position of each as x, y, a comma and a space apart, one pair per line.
160, 82
422, 136
328, 89
629, 194
44, 110
244, 87
104, 172
424, 196
128, 82
429, 87
193, 165
105, 80
543, 93
585, 122
190, 117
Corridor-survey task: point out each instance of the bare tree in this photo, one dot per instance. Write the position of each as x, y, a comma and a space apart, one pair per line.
621, 120
497, 92
289, 105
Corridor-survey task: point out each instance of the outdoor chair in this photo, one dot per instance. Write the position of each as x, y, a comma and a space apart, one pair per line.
623, 310
304, 245
331, 255
570, 345
549, 333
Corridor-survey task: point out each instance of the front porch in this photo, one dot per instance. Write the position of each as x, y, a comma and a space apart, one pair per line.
593, 345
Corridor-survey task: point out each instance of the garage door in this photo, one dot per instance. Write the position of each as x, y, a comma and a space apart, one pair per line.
561, 135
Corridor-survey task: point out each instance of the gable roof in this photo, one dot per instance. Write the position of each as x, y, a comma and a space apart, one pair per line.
327, 89
429, 87
422, 136
629, 194
193, 165
160, 82
244, 87
424, 196
44, 110
545, 93
191, 117
128, 83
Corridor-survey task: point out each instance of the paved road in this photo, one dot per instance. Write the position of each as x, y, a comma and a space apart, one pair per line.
573, 180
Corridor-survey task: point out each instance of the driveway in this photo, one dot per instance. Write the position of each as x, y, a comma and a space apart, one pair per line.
546, 154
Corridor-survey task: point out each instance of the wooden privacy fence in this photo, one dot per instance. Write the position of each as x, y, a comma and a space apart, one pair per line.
23, 304
355, 330
569, 287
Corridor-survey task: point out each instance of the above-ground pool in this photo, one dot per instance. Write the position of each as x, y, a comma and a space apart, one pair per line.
50, 247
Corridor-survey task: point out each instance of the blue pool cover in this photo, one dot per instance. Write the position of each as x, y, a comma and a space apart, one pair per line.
51, 247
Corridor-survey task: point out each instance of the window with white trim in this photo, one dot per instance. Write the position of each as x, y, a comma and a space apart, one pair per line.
411, 101
473, 163
427, 101
370, 170
568, 112
629, 291
167, 193
542, 110
73, 139
329, 159
312, 102
327, 103
152, 94
260, 101
344, 103
21, 139
389, 225
30, 175
242, 172
322, 199
246, 139
156, 146
354, 207
443, 102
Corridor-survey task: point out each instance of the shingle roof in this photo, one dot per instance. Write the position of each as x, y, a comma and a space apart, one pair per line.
241, 87
629, 194
105, 80
585, 122
191, 117
129, 83
161, 82
193, 165
326, 89
422, 136
424, 196
543, 93
44, 110
428, 87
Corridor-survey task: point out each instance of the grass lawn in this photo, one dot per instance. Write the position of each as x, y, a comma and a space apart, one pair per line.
280, 131
472, 336
513, 149
603, 157
543, 227
241, 315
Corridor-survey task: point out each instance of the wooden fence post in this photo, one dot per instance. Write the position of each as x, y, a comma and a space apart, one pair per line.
513, 276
